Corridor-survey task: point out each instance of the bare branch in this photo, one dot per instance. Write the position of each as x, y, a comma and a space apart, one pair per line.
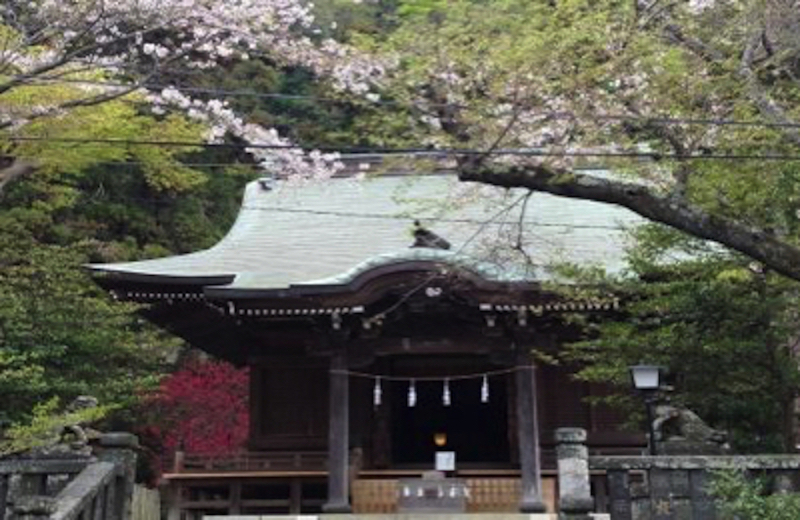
768, 107
69, 57
673, 211
675, 34
82, 102
11, 173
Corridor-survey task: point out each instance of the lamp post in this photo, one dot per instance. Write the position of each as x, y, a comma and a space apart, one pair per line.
647, 380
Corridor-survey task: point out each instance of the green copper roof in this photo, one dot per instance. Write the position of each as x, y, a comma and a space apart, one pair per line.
329, 232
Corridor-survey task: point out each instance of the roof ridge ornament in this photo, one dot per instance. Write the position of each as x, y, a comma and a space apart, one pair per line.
424, 237
267, 182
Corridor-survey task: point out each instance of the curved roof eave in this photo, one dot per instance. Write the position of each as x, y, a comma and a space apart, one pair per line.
249, 285
107, 273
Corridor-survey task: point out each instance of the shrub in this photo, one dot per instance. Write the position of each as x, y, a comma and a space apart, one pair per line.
742, 497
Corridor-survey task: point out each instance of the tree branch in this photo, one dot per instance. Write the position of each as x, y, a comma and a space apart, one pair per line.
675, 34
757, 93
673, 211
11, 173
81, 102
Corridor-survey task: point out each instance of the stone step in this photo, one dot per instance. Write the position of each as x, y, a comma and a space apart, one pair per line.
404, 516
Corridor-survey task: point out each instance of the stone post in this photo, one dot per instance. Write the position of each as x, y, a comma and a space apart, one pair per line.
119, 449
34, 507
574, 491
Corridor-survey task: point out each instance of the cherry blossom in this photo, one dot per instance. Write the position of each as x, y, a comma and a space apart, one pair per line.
141, 40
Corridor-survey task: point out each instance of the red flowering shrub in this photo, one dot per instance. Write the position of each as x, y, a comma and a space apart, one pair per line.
202, 408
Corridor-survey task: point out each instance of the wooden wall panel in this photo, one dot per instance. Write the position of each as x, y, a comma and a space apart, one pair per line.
289, 403
561, 400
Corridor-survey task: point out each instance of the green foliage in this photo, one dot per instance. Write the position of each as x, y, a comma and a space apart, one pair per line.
410, 8
721, 329
588, 58
46, 425
307, 112
60, 336
61, 162
342, 19
739, 496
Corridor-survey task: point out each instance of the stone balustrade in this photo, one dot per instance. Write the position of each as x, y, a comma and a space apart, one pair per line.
67, 486
661, 487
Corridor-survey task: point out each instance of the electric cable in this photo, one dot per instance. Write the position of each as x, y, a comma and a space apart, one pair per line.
414, 151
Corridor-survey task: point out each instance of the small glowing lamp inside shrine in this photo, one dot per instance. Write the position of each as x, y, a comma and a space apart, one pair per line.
440, 439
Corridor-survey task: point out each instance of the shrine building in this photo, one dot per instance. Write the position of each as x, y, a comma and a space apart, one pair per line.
379, 348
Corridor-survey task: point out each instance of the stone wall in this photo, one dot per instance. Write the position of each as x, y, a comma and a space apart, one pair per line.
667, 487
662, 487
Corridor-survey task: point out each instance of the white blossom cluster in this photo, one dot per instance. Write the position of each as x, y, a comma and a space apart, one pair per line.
150, 38
274, 153
698, 6
197, 33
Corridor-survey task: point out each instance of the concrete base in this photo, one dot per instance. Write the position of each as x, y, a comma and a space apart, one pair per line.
532, 507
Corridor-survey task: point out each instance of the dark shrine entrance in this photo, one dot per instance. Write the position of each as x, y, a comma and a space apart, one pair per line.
476, 431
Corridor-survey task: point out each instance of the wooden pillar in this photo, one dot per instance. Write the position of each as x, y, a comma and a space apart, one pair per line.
235, 496
295, 496
174, 499
528, 435
338, 417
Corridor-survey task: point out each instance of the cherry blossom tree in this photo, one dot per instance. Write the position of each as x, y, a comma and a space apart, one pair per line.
135, 43
647, 88
610, 78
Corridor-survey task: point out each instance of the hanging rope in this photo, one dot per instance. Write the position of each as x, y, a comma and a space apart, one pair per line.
461, 377
377, 390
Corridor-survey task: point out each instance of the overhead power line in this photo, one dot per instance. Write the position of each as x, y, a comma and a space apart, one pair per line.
220, 92
390, 216
416, 151
131, 164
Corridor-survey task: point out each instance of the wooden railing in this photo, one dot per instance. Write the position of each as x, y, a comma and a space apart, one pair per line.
251, 461
66, 487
